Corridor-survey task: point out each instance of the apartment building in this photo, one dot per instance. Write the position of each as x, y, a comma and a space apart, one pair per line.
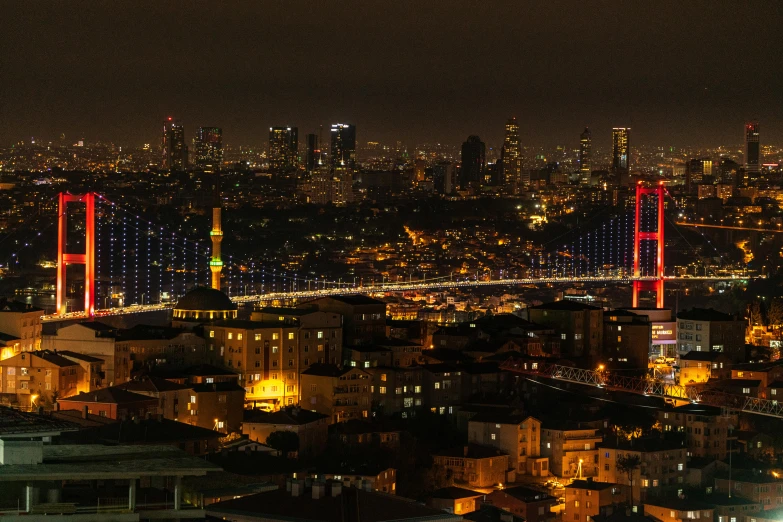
474, 465
585, 499
663, 465
571, 449
516, 435
342, 393
707, 330
706, 428
21, 324
38, 378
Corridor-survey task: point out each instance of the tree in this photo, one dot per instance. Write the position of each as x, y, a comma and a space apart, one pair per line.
628, 464
284, 441
775, 314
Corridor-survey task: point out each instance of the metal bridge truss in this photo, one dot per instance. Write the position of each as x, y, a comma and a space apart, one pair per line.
645, 386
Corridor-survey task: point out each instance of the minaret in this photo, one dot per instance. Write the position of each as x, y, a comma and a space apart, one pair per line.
215, 263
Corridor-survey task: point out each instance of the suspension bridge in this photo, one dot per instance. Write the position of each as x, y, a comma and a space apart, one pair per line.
132, 265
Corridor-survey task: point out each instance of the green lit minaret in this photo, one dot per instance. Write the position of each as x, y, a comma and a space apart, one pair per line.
215, 263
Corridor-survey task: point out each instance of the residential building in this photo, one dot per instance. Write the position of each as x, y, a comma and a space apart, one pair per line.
361, 433
151, 346
621, 152
762, 487
266, 356
172, 397
397, 390
531, 505
707, 330
320, 333
442, 387
311, 427
663, 465
368, 478
95, 339
706, 428
627, 338
580, 326
572, 449
364, 318
699, 367
674, 509
39, 378
342, 393
516, 435
113, 402
21, 323
585, 499
474, 465
92, 367
283, 148
216, 406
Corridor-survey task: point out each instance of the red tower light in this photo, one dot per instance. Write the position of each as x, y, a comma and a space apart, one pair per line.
87, 259
657, 236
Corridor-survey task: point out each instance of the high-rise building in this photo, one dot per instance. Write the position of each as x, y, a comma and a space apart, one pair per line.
209, 148
443, 177
512, 154
697, 171
585, 154
474, 155
621, 151
312, 152
283, 148
752, 148
175, 149
343, 145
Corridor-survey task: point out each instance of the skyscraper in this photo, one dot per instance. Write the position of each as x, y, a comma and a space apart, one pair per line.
621, 152
343, 146
209, 148
752, 148
585, 151
283, 148
511, 154
175, 149
474, 154
312, 152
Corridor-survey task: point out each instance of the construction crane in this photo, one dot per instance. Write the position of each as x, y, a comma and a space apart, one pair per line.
602, 378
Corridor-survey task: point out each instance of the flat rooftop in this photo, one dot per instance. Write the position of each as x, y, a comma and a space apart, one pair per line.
94, 461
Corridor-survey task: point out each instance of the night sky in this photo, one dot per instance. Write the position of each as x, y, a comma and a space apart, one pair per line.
679, 73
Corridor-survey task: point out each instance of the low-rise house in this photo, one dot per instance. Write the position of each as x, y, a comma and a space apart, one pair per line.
532, 505
311, 427
30, 379
700, 367
367, 478
755, 444
676, 509
112, 402
517, 435
172, 397
363, 433
452, 499
474, 465
584, 499
757, 486
706, 428
92, 366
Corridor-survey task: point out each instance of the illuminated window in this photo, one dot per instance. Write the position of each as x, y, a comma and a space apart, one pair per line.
274, 349
290, 336
239, 337
212, 333
563, 336
437, 386
417, 389
193, 399
383, 377
209, 380
230, 335
275, 336
220, 425
382, 389
492, 436
576, 503
679, 467
257, 337
320, 335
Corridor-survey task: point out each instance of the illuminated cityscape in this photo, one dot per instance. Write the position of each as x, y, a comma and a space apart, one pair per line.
482, 299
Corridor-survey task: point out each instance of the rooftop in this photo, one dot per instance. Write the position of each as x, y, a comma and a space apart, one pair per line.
326, 370
9, 305
351, 504
354, 300
453, 492
565, 305
471, 451
592, 485
14, 422
111, 395
526, 494
143, 332
293, 416
204, 298
79, 356
704, 314
644, 445
152, 384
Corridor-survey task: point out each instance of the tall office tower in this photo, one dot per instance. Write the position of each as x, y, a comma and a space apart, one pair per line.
209, 148
697, 171
313, 152
512, 154
474, 155
621, 152
752, 148
585, 158
728, 171
283, 148
175, 149
343, 146
443, 177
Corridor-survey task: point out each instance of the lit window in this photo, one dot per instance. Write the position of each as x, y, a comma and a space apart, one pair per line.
274, 349
290, 336
212, 333
746, 390
239, 337
576, 503
382, 389
257, 337
437, 386
492, 436
548, 444
563, 336
366, 364
679, 467
497, 425
320, 335
275, 336
230, 335
383, 377
417, 389
193, 399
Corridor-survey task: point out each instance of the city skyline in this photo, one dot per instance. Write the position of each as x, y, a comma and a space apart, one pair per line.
631, 78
